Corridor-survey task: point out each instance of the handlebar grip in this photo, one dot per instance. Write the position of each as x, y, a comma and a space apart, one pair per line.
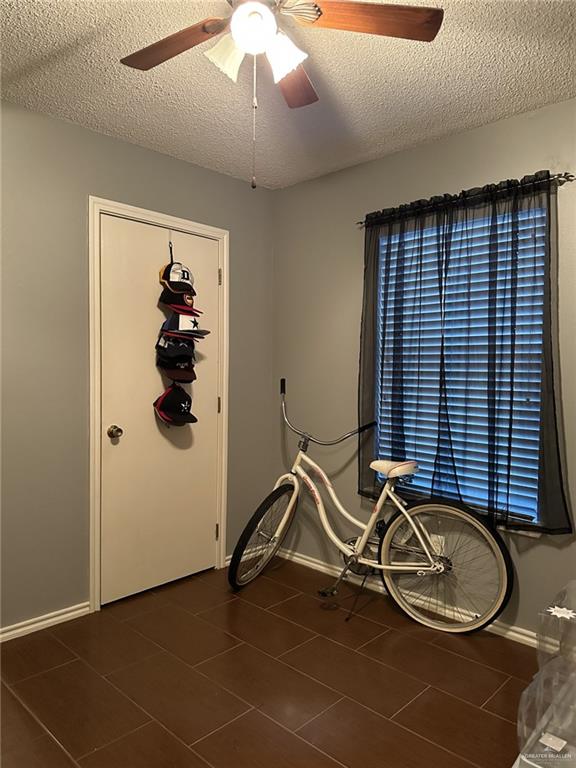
282, 386
367, 426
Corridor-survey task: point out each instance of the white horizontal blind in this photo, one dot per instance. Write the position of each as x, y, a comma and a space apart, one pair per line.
476, 323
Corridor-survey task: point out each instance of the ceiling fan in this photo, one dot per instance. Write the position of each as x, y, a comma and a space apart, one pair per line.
253, 28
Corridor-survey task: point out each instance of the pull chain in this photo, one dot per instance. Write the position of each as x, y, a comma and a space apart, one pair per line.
254, 108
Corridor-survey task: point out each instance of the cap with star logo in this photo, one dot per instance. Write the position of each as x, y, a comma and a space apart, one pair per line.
174, 405
182, 326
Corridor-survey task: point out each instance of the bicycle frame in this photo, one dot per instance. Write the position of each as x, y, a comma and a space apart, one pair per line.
298, 473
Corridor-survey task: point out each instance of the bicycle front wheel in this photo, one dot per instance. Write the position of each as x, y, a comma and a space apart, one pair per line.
262, 537
477, 579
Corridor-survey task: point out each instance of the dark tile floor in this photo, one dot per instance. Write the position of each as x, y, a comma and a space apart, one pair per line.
191, 675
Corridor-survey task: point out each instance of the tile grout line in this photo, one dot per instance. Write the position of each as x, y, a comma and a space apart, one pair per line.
155, 720
308, 640
393, 669
495, 692
320, 601
410, 702
323, 712
44, 671
265, 714
305, 741
436, 644
379, 714
201, 757
280, 602
130, 664
239, 644
373, 639
43, 726
404, 672
118, 738
104, 675
219, 728
435, 744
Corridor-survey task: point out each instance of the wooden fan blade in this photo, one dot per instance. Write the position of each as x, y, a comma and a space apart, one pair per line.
174, 44
297, 89
410, 22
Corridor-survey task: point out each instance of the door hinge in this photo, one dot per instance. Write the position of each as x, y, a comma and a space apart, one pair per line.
219, 275
217, 531
219, 405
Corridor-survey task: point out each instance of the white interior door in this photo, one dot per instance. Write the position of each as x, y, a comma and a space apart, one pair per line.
159, 484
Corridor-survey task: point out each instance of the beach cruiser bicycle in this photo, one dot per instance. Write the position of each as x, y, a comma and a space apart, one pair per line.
441, 563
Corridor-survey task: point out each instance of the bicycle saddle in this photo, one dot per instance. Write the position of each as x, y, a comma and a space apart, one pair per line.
394, 468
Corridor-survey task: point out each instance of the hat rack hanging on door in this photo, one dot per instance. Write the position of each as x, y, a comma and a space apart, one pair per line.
176, 343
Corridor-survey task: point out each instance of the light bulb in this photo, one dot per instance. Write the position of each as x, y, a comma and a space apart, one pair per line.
227, 56
284, 56
253, 27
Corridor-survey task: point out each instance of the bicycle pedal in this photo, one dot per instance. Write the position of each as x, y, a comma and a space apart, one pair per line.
328, 592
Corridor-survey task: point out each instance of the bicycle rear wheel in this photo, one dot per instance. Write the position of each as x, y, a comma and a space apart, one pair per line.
478, 577
262, 537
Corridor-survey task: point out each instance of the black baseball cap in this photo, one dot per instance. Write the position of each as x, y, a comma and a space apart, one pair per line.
173, 406
177, 277
183, 303
177, 368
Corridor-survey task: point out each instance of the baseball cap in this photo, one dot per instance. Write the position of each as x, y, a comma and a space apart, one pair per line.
175, 346
184, 377
177, 277
181, 326
183, 303
173, 406
177, 368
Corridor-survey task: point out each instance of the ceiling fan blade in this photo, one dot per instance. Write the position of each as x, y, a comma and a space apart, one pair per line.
174, 44
410, 22
297, 89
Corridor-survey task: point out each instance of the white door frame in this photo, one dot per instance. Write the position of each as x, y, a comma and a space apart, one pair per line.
97, 207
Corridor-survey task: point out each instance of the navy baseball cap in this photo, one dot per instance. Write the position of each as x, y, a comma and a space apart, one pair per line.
175, 346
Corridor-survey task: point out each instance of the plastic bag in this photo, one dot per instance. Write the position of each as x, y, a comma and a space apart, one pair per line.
547, 711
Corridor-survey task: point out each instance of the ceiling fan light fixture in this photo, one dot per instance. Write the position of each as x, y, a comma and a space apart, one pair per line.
227, 56
284, 56
253, 27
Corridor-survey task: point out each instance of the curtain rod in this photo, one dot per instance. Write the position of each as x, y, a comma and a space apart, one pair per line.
565, 177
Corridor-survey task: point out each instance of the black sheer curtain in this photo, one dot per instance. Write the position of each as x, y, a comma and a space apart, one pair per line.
459, 351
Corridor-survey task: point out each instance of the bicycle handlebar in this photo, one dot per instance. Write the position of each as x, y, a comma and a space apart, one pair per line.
310, 437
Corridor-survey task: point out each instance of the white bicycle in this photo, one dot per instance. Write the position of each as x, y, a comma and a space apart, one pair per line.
442, 564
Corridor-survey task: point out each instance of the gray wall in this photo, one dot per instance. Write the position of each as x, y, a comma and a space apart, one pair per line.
294, 312
49, 169
318, 291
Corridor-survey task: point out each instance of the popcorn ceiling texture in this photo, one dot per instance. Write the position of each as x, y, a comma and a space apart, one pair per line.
491, 59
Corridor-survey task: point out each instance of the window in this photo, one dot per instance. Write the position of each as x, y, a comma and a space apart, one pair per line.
464, 347
459, 360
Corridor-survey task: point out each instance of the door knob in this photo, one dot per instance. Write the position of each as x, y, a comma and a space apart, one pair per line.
114, 431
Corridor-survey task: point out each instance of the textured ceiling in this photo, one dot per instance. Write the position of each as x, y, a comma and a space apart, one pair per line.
491, 59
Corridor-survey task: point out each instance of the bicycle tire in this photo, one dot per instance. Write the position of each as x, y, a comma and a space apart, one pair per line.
236, 578
475, 525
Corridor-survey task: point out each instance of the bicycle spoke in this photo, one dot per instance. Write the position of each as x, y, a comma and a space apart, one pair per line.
468, 589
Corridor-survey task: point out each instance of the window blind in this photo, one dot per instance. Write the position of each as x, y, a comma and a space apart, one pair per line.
482, 318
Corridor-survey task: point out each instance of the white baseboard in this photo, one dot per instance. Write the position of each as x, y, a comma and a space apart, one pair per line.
518, 634
42, 622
